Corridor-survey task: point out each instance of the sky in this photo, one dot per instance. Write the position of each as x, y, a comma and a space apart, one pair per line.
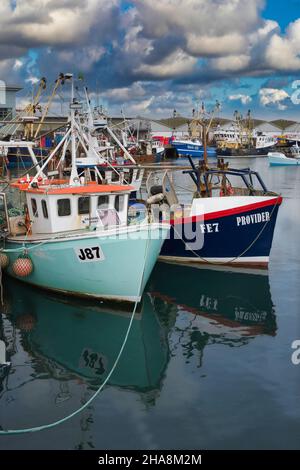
149, 57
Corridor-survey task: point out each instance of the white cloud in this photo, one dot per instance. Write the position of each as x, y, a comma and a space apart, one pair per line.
273, 96
32, 80
18, 64
232, 63
142, 106
51, 21
198, 17
86, 57
188, 41
214, 45
123, 94
283, 52
175, 65
244, 99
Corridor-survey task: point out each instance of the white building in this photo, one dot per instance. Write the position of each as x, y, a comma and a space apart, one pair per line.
266, 128
8, 100
293, 131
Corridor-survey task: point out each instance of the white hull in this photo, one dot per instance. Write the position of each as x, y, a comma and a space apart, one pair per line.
279, 159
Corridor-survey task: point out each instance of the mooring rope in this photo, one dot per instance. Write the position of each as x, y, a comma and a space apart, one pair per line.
101, 387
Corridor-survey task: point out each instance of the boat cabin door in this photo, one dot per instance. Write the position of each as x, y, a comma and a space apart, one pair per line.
4, 220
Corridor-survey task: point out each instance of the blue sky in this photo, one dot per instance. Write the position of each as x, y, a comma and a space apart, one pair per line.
282, 11
149, 58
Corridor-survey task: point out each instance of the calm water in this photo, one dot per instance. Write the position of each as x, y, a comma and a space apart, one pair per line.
207, 364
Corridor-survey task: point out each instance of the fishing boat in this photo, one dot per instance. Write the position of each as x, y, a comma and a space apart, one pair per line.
260, 147
74, 235
242, 139
229, 221
27, 126
281, 159
192, 148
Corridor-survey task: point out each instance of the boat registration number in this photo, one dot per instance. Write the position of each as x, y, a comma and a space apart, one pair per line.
89, 254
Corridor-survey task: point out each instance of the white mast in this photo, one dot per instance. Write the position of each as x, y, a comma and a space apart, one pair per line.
74, 106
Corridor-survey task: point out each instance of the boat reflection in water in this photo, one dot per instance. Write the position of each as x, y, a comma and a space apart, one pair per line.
71, 339
62, 349
207, 306
74, 339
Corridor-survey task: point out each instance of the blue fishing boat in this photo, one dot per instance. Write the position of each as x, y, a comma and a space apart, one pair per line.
191, 148
226, 223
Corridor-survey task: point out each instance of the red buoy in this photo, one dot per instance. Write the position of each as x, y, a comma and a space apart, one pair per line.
23, 266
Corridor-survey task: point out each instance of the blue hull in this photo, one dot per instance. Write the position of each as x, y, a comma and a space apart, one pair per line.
228, 239
195, 151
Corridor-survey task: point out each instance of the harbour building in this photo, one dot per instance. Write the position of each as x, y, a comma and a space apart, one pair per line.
8, 100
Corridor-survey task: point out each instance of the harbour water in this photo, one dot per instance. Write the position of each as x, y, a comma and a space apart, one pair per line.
207, 364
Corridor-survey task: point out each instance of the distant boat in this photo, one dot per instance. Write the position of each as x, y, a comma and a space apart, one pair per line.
192, 148
280, 159
242, 139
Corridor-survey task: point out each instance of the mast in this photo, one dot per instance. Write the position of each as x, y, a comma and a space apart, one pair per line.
74, 106
58, 82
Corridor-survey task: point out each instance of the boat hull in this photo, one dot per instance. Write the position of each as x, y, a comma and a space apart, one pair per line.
243, 152
120, 273
236, 234
190, 150
278, 159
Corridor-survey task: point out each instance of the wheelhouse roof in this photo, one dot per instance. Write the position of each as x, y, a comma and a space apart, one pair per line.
62, 187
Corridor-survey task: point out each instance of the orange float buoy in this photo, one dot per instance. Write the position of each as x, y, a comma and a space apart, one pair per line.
26, 322
23, 266
4, 260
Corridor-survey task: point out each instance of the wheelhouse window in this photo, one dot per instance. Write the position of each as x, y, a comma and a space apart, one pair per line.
34, 207
45, 209
115, 176
64, 207
103, 201
119, 203
84, 204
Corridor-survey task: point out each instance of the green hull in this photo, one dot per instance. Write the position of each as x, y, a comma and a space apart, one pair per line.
119, 270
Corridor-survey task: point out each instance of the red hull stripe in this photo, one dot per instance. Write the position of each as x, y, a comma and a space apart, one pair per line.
229, 212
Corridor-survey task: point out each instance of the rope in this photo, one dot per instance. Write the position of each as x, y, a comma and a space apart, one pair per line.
95, 395
219, 263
